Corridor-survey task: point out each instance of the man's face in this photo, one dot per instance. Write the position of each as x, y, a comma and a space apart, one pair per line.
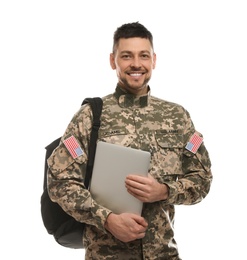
133, 61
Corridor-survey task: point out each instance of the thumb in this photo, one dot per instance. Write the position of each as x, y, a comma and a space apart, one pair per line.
141, 221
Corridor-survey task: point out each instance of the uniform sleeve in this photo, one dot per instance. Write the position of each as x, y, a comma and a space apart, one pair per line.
66, 173
193, 184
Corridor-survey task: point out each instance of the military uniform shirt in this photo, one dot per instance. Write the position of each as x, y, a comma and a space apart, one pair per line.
145, 122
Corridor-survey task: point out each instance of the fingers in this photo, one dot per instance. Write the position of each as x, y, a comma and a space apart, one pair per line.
139, 187
137, 178
141, 221
136, 182
146, 189
126, 226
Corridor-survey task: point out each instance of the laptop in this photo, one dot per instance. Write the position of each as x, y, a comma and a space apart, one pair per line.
112, 164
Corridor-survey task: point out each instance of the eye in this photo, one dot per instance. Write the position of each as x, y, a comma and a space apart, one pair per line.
126, 56
145, 56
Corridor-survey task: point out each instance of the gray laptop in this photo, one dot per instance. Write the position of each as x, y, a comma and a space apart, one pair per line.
112, 164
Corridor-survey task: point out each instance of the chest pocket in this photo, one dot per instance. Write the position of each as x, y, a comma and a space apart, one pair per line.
169, 141
116, 136
167, 153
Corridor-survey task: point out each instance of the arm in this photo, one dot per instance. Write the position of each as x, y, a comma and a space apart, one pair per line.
194, 185
66, 174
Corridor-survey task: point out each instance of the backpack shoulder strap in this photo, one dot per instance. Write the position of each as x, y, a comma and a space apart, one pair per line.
96, 106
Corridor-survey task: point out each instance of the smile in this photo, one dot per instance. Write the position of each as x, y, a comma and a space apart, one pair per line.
135, 74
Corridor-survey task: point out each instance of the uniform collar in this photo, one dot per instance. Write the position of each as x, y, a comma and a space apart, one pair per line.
129, 100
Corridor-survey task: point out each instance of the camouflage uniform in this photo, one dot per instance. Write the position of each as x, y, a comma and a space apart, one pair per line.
146, 123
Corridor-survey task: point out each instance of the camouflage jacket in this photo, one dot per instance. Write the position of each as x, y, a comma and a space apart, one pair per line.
148, 123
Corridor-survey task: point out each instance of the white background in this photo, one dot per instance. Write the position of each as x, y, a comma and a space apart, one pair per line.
53, 54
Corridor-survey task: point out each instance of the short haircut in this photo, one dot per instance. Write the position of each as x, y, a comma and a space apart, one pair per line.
131, 30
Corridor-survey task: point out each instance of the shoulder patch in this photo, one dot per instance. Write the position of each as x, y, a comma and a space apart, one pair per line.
73, 147
194, 143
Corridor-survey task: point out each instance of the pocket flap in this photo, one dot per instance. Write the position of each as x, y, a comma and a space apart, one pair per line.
169, 140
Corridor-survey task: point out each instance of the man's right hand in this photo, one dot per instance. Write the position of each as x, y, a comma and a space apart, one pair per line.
126, 226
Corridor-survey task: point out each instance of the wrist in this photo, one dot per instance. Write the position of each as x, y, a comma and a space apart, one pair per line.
108, 220
164, 192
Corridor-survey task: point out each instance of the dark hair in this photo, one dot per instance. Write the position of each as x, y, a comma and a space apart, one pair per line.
130, 30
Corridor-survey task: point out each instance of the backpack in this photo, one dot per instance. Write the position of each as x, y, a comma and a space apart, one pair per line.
66, 230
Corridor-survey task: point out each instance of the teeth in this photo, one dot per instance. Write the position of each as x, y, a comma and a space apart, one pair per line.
135, 74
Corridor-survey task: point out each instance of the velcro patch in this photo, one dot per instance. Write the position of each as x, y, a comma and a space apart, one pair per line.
194, 143
73, 147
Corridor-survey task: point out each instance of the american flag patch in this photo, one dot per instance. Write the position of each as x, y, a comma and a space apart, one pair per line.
73, 147
194, 143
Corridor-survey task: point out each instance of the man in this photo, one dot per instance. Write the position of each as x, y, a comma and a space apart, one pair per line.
179, 170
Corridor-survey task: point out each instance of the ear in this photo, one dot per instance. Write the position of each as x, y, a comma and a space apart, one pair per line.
112, 61
154, 61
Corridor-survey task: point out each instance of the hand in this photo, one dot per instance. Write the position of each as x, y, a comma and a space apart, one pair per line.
126, 226
146, 189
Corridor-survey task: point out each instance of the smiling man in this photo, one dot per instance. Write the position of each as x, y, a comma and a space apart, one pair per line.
134, 60
180, 167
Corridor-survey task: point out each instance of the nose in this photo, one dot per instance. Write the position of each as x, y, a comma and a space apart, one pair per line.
136, 62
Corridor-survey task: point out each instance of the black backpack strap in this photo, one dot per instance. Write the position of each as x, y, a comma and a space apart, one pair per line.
96, 106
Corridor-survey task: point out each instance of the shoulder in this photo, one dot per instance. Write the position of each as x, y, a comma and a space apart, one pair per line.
109, 99
166, 105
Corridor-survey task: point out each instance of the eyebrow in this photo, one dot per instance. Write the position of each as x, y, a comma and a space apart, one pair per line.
144, 51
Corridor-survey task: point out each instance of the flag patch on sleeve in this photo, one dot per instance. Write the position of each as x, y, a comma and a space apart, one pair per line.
194, 143
73, 147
